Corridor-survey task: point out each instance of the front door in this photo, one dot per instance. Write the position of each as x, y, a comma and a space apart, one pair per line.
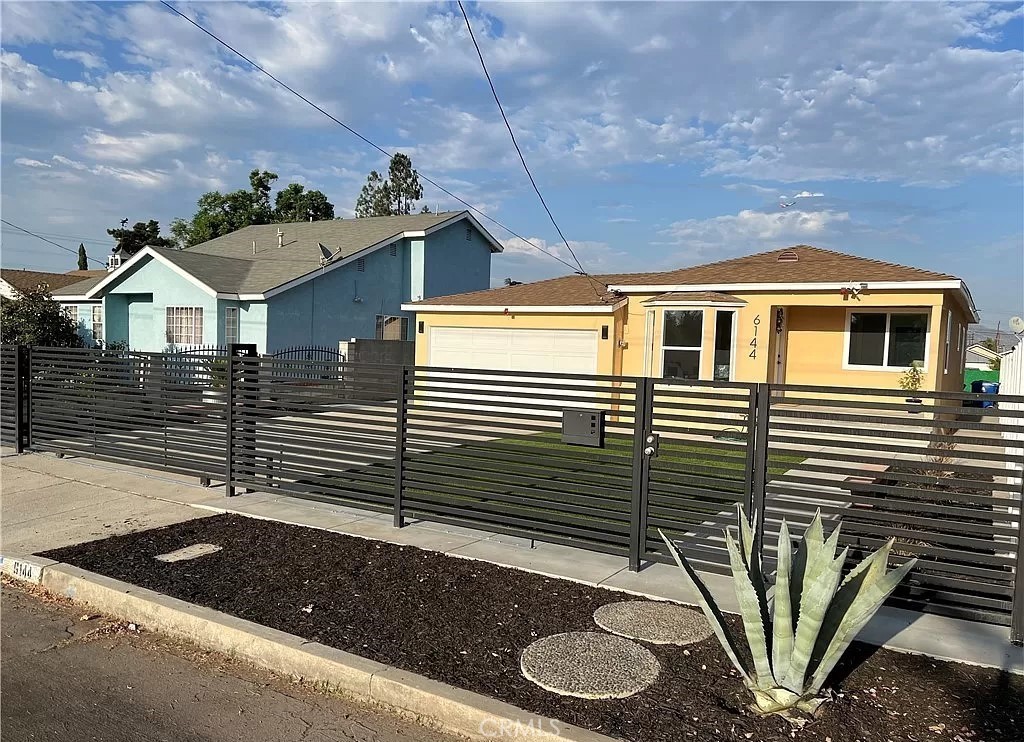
778, 375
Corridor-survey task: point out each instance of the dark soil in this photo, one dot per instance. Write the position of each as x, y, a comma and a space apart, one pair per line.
465, 623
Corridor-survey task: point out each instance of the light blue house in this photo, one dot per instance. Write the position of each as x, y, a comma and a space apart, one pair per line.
280, 285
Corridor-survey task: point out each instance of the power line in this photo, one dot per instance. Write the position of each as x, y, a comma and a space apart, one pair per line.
44, 239
86, 240
363, 138
515, 143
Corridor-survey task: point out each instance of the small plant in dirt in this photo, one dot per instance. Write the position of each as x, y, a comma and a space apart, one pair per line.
797, 640
940, 452
912, 379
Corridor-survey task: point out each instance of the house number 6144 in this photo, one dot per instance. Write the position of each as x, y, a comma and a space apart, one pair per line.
753, 340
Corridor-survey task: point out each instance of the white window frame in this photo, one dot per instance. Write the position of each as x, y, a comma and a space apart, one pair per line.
196, 313
847, 366
97, 321
699, 348
72, 311
229, 313
962, 346
949, 330
380, 321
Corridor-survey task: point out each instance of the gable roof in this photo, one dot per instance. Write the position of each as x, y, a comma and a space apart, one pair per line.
227, 264
800, 265
695, 297
24, 280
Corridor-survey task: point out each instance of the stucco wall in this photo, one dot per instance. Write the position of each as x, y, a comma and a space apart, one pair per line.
453, 264
324, 311
131, 291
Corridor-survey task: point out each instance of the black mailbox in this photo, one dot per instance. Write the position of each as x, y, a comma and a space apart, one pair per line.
583, 427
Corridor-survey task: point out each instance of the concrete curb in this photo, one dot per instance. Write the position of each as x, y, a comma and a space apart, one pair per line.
441, 706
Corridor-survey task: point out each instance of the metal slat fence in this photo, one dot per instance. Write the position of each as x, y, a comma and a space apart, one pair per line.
148, 409
9, 397
485, 449
932, 475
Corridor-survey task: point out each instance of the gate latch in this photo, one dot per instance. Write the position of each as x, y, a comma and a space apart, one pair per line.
651, 445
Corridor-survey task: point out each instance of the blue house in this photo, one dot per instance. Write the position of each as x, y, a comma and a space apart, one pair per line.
279, 285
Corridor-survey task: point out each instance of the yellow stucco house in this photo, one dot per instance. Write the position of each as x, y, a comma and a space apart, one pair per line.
800, 315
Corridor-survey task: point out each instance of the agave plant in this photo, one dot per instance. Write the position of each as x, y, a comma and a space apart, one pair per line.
798, 636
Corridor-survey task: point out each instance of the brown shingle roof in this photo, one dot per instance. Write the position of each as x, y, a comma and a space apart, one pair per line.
565, 291
709, 297
24, 280
811, 265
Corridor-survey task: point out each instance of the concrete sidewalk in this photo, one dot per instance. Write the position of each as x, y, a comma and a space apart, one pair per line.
50, 502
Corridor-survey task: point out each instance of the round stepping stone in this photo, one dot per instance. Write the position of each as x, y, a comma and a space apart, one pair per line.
586, 664
654, 622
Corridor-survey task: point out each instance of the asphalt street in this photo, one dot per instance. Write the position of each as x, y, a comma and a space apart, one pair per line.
70, 677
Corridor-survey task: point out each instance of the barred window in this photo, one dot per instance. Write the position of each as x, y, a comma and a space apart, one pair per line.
97, 324
185, 325
230, 325
392, 328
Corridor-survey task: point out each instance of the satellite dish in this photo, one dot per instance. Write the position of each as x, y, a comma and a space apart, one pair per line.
324, 252
1017, 325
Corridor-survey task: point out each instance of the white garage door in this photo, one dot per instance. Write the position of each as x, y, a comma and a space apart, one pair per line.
554, 351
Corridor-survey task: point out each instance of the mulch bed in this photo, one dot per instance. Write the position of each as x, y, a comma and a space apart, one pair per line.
465, 623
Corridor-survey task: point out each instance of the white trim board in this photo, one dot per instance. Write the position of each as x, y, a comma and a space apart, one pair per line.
137, 258
530, 309
940, 285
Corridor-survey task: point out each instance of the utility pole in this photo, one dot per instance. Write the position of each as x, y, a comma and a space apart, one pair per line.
997, 335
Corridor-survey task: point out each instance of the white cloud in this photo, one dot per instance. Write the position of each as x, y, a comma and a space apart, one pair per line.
87, 59
808, 194
67, 161
753, 231
28, 162
133, 148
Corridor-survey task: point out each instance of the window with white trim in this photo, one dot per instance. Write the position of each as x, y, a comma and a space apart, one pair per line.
184, 325
886, 339
230, 325
681, 343
73, 313
949, 331
97, 323
963, 345
391, 328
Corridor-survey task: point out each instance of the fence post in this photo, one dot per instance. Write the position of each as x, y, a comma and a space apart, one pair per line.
642, 418
757, 460
21, 375
400, 424
235, 350
1017, 616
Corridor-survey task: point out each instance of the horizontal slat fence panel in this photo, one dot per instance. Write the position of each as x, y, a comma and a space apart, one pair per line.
933, 475
9, 398
318, 429
701, 471
161, 411
484, 449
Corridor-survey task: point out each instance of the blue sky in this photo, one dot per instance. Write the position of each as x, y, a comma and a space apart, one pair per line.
663, 135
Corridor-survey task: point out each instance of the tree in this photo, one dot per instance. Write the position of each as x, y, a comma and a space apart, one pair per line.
34, 318
394, 196
218, 214
130, 241
991, 344
83, 259
296, 204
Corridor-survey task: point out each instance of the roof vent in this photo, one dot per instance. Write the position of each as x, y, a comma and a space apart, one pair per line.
788, 256
280, 237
